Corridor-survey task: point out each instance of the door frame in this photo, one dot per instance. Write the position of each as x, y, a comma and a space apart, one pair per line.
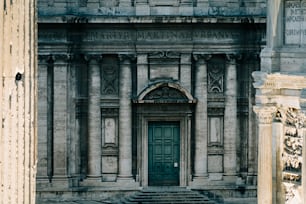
148, 114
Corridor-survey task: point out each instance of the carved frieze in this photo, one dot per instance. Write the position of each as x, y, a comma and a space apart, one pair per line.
292, 158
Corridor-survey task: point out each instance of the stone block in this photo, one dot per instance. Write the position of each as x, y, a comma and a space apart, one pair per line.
142, 10
215, 163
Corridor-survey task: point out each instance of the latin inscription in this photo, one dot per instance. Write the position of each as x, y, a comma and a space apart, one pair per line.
217, 36
295, 22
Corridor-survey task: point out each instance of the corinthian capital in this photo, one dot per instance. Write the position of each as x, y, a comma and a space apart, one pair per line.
126, 58
265, 114
204, 57
232, 58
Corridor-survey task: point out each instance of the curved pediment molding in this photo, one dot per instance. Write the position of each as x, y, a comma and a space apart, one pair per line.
165, 93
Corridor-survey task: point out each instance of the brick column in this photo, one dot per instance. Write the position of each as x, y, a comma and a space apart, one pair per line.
200, 163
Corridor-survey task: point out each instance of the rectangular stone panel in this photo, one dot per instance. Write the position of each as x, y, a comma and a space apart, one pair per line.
295, 22
215, 163
109, 164
215, 130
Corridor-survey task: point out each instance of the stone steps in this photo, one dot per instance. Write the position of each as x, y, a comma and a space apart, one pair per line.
164, 195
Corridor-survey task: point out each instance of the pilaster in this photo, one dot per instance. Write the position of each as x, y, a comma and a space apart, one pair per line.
142, 72
42, 115
60, 107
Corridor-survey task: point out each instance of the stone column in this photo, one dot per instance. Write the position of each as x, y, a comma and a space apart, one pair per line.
125, 119
94, 119
264, 180
60, 118
230, 120
200, 163
18, 99
277, 146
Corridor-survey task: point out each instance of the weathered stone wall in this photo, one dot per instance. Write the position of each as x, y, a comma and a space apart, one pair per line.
18, 102
153, 7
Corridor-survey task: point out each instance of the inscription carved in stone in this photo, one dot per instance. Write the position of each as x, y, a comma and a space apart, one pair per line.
295, 22
292, 155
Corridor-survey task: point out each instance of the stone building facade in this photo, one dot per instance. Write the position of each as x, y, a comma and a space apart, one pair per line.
137, 93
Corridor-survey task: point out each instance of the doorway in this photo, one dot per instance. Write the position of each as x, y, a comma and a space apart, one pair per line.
164, 153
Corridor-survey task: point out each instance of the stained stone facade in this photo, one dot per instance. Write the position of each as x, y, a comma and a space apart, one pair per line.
129, 88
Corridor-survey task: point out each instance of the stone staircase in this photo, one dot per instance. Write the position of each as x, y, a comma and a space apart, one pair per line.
167, 195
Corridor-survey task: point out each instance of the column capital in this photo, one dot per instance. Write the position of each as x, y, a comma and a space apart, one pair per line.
202, 57
60, 58
265, 114
232, 58
126, 58
93, 58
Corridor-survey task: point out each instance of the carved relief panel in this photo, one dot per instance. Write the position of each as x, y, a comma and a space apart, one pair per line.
110, 75
292, 158
216, 67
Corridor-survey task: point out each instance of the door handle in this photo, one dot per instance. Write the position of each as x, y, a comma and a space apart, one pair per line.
175, 164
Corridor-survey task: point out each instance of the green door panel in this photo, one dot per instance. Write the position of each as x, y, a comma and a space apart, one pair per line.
164, 153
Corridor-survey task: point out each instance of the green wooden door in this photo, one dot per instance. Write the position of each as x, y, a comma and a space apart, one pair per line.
164, 153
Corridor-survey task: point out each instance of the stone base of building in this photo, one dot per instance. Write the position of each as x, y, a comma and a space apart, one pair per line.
112, 193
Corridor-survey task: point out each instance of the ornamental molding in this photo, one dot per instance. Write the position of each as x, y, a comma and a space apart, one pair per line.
264, 80
166, 92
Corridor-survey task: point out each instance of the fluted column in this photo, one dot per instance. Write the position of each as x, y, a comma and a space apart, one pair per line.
200, 163
230, 119
264, 180
125, 119
94, 118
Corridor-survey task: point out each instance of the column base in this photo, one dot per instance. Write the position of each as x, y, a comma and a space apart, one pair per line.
92, 181
199, 180
230, 178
